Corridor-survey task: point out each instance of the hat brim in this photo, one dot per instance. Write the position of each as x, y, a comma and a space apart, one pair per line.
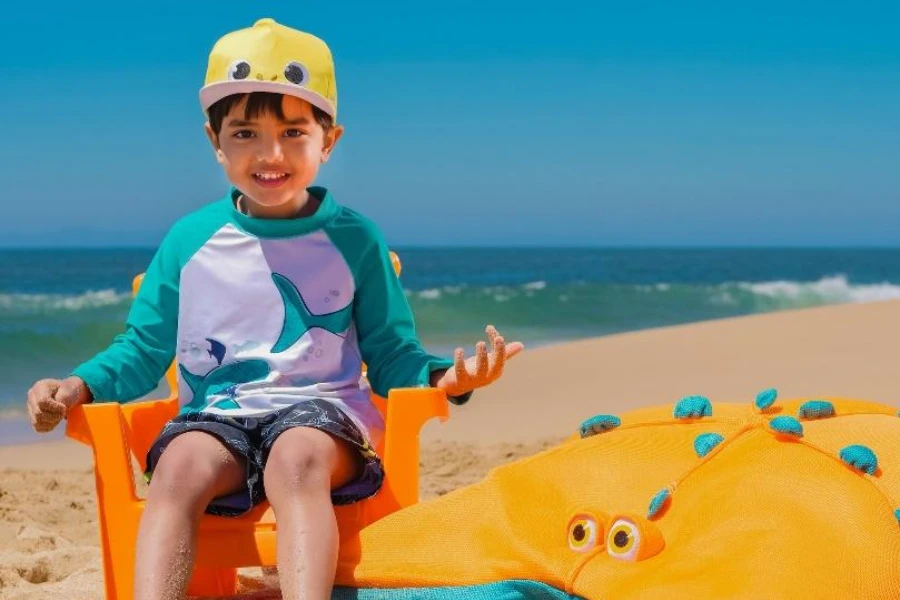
214, 92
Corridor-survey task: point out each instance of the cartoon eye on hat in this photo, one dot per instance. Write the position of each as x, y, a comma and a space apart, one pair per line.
296, 73
238, 70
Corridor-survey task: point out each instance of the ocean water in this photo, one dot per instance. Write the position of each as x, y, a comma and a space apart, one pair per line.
59, 307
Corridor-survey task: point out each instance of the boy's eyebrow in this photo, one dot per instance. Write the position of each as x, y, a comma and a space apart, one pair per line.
243, 123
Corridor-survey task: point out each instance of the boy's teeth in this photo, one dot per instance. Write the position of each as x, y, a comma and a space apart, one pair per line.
270, 175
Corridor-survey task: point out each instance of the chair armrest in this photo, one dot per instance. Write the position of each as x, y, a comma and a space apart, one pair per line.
408, 409
77, 426
102, 426
116, 431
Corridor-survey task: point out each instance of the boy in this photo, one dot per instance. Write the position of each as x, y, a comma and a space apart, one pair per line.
270, 300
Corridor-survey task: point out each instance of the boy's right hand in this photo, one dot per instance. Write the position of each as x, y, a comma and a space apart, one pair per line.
50, 399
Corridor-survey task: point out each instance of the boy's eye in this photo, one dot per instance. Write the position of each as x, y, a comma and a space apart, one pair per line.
294, 133
243, 134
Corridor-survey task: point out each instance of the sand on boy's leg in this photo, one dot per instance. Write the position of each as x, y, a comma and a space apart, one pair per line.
302, 468
194, 468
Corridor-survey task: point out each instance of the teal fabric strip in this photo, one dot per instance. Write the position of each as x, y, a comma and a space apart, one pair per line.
516, 589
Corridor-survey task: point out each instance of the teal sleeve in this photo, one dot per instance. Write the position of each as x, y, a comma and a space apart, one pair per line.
385, 326
138, 358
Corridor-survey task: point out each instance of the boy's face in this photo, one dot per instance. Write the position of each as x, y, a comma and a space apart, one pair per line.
272, 161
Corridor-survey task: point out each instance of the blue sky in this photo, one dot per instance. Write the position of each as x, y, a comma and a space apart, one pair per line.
479, 123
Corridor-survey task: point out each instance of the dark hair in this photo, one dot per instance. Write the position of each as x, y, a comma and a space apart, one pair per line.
258, 103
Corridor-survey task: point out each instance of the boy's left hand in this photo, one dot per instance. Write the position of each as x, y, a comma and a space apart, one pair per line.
479, 370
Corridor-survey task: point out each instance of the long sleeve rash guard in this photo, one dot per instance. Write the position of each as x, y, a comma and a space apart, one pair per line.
261, 314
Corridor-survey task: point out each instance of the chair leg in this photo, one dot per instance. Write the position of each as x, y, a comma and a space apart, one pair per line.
118, 563
118, 531
207, 581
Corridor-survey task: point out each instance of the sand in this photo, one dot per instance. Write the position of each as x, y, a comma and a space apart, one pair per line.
48, 530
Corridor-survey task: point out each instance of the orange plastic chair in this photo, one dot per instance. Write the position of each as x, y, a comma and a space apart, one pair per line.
116, 432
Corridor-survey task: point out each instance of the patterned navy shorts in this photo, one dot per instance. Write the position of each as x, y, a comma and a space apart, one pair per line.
253, 437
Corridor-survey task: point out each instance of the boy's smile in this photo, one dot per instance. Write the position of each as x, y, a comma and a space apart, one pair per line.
271, 160
271, 180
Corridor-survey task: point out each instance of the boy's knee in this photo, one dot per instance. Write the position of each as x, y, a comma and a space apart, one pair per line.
185, 473
297, 463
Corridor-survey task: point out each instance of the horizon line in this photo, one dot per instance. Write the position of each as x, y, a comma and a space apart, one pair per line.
515, 247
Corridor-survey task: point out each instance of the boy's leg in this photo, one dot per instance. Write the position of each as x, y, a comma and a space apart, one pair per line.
195, 468
303, 466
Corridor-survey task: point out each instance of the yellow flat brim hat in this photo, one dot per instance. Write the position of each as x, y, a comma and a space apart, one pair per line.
270, 57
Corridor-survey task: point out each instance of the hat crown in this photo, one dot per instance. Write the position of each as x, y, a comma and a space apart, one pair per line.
271, 57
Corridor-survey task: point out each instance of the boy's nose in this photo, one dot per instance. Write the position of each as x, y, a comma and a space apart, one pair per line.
271, 152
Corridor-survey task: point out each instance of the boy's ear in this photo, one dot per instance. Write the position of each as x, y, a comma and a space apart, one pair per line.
330, 141
214, 140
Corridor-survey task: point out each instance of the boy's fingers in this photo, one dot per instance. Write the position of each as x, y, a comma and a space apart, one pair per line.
49, 413
38, 392
31, 398
499, 357
481, 361
459, 365
44, 427
47, 420
50, 406
514, 348
30, 404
